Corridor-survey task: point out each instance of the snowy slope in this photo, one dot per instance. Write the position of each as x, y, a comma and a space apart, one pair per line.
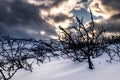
68, 70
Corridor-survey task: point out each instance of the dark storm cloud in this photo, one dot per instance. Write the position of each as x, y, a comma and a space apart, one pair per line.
57, 3
18, 12
111, 26
110, 11
61, 17
21, 19
113, 4
105, 8
114, 17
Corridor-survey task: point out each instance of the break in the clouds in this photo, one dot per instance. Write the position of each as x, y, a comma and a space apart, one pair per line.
29, 18
110, 11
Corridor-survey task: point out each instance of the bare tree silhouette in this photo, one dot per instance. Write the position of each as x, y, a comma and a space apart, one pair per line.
81, 42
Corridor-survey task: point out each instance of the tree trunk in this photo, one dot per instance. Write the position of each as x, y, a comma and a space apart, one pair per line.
90, 62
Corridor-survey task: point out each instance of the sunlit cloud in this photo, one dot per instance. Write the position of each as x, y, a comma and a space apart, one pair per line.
53, 37
57, 11
41, 2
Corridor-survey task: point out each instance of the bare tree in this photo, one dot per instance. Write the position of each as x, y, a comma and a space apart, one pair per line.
43, 51
13, 56
81, 42
15, 52
113, 47
113, 51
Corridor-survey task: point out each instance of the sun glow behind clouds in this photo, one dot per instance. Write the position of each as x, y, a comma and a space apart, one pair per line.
42, 32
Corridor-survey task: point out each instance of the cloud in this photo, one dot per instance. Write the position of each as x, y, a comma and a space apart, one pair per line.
59, 12
112, 25
26, 18
110, 13
19, 18
105, 8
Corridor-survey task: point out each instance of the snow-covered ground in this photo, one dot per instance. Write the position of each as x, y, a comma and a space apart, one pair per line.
67, 70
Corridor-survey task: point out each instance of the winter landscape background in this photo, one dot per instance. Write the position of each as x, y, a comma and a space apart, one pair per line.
59, 39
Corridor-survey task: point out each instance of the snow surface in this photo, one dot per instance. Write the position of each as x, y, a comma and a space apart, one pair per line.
67, 70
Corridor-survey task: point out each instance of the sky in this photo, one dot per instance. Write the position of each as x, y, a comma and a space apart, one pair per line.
40, 19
